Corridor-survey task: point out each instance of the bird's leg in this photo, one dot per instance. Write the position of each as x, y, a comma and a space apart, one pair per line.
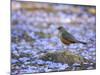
64, 47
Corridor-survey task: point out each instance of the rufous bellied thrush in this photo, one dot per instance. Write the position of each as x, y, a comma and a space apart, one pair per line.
67, 38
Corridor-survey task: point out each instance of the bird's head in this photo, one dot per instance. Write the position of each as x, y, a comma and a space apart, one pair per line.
61, 29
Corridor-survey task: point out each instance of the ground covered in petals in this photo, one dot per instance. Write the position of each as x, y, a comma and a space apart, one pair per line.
35, 43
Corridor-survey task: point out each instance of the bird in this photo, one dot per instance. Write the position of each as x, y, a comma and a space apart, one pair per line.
67, 38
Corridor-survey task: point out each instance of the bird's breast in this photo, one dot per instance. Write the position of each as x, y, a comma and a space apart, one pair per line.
65, 41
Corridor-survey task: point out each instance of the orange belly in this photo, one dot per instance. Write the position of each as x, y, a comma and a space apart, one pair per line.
65, 41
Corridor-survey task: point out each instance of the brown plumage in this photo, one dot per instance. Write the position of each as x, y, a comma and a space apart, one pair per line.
67, 38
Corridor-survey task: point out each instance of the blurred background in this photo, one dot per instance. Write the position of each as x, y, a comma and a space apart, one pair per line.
34, 33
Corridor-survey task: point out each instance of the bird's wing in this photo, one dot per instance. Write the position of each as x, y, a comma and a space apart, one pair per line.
69, 37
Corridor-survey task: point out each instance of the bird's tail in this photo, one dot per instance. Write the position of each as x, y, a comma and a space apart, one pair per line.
82, 42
